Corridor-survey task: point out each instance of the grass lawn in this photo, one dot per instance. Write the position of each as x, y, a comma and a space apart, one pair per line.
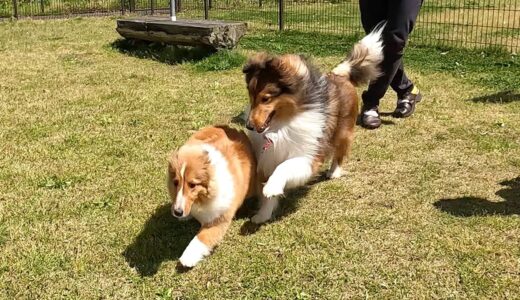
430, 207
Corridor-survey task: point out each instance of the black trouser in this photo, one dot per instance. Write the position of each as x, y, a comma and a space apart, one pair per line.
400, 16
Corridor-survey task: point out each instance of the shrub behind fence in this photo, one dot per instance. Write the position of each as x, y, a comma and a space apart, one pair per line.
459, 23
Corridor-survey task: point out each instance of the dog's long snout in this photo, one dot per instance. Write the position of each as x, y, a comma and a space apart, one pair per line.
249, 126
178, 212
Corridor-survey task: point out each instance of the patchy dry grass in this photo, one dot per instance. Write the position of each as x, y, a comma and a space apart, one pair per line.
429, 209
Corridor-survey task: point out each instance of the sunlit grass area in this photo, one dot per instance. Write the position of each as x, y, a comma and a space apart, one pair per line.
429, 207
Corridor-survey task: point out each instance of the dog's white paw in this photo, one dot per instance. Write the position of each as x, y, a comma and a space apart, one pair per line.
190, 260
194, 253
273, 188
261, 217
335, 172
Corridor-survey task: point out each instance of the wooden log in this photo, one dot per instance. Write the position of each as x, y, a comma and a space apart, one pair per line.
205, 33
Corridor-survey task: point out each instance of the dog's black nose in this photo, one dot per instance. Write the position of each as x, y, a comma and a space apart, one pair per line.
178, 212
249, 126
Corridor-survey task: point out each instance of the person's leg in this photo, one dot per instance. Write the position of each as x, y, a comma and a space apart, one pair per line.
401, 84
405, 14
408, 95
401, 16
372, 13
401, 26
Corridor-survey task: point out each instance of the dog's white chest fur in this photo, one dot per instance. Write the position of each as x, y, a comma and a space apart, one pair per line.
225, 188
297, 138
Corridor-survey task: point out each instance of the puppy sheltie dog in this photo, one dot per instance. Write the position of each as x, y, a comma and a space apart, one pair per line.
208, 178
299, 118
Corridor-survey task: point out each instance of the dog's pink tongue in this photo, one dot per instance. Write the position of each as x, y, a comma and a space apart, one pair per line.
267, 143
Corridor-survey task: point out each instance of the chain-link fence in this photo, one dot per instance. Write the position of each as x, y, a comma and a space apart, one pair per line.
466, 23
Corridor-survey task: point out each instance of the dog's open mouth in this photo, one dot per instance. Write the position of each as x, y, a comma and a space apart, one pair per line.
266, 123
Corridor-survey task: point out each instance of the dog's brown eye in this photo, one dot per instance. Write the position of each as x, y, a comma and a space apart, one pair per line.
192, 185
265, 99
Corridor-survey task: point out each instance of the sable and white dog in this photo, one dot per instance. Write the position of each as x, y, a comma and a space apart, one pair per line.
299, 118
208, 178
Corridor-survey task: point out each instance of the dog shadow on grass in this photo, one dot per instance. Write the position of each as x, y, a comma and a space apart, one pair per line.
162, 238
499, 98
169, 54
474, 206
239, 119
287, 206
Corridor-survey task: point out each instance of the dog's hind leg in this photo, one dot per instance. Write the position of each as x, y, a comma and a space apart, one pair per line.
343, 145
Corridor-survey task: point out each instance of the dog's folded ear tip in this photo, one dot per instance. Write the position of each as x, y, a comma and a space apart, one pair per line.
247, 68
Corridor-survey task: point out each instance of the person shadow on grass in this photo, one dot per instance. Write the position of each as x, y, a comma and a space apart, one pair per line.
474, 206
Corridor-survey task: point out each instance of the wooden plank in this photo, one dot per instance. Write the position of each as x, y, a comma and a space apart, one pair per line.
208, 33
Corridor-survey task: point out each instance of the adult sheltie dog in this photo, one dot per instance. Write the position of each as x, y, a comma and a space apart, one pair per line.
299, 118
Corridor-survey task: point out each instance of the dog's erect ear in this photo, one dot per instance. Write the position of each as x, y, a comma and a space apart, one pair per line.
256, 62
292, 70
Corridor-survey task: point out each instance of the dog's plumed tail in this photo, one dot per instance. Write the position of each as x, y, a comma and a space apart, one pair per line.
362, 65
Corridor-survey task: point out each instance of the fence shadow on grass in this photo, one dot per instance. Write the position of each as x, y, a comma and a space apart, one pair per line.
473, 206
500, 98
168, 54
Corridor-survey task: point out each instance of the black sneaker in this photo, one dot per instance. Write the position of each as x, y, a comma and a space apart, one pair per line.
406, 104
370, 118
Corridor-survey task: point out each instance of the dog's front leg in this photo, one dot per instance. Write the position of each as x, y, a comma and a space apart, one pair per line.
291, 173
202, 244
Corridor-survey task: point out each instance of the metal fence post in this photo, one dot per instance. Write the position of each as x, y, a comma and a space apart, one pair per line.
15, 9
280, 15
206, 11
123, 7
152, 7
42, 7
173, 10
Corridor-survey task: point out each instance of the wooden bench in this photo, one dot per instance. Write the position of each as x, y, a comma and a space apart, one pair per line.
202, 33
